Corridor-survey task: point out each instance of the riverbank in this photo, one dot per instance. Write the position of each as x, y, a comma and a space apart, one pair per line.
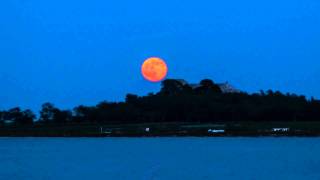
166, 130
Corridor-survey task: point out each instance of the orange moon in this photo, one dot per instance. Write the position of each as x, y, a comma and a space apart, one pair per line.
154, 69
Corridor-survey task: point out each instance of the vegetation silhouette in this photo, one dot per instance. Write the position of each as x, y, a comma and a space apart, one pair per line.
177, 102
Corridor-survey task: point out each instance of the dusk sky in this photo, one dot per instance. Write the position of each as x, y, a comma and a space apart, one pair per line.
72, 52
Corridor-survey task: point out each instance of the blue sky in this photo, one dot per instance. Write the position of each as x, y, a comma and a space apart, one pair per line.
82, 52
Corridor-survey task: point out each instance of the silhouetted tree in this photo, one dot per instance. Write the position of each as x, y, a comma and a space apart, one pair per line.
208, 86
50, 114
62, 116
179, 102
17, 116
47, 112
132, 99
28, 117
1, 117
85, 114
173, 86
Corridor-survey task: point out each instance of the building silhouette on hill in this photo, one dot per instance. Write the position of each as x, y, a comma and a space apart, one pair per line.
225, 87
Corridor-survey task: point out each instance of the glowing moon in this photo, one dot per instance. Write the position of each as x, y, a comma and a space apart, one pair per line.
154, 69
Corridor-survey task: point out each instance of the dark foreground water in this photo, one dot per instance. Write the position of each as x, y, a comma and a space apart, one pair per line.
159, 158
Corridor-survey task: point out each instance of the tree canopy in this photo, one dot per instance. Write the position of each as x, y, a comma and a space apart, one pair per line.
178, 101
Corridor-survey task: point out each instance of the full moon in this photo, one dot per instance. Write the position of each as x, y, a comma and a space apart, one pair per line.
154, 69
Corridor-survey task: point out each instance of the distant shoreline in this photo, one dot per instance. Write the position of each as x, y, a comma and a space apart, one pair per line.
165, 136
204, 109
239, 129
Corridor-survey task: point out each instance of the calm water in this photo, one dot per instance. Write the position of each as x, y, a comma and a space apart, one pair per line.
159, 158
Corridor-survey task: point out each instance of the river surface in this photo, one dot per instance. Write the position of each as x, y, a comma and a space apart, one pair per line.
159, 158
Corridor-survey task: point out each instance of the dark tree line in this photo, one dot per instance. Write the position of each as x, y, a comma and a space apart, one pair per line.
179, 102
17, 116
